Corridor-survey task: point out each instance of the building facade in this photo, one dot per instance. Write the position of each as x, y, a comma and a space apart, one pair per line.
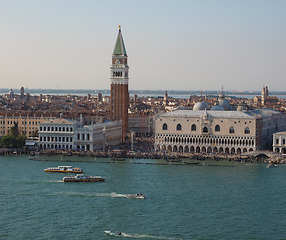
72, 135
207, 131
119, 84
217, 131
279, 142
28, 125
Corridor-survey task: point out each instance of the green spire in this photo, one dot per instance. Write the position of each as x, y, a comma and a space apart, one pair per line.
119, 48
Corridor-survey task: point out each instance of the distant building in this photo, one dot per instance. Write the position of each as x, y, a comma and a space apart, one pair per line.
72, 135
142, 124
279, 142
265, 99
22, 93
119, 84
28, 125
99, 97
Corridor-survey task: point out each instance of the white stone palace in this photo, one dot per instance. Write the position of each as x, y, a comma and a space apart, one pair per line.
232, 132
68, 134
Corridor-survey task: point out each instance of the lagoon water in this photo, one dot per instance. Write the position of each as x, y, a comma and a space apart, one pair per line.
247, 201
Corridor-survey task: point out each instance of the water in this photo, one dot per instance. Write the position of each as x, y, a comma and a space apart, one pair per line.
183, 201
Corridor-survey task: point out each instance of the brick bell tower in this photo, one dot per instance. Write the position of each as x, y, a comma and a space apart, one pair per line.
119, 84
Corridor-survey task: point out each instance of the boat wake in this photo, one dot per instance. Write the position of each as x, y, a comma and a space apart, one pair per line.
114, 195
55, 181
92, 194
133, 235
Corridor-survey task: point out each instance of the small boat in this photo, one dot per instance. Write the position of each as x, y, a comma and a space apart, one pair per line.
118, 234
136, 195
271, 165
64, 169
82, 178
194, 163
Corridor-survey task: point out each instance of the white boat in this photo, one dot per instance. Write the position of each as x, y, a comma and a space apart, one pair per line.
64, 169
118, 234
136, 195
83, 178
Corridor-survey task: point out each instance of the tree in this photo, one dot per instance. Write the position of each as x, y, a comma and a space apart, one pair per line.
14, 131
14, 139
8, 141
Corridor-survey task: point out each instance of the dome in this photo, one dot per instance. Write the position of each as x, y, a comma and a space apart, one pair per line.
200, 106
217, 107
225, 104
11, 93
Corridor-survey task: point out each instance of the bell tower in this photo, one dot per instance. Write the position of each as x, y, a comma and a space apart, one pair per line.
119, 84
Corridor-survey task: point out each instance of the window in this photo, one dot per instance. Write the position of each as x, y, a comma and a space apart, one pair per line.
40, 128
165, 126
231, 129
179, 127
193, 127
87, 136
283, 141
217, 128
205, 130
247, 130
277, 141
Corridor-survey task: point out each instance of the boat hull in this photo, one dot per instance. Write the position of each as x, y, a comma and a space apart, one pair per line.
84, 180
63, 171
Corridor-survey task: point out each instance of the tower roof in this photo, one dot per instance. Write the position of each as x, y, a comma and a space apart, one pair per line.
119, 48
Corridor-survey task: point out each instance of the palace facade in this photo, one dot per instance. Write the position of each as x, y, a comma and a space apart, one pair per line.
200, 131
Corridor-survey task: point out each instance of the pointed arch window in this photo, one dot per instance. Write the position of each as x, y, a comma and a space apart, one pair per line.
231, 129
194, 127
165, 126
205, 130
179, 127
217, 128
247, 130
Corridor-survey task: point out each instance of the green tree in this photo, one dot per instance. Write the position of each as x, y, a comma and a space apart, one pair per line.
8, 141
14, 139
14, 131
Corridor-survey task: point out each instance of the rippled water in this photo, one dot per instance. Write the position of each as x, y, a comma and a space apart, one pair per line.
184, 201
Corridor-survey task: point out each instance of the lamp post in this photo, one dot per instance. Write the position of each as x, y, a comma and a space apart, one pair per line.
103, 132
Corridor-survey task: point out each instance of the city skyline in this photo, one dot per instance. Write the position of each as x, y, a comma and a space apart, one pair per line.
171, 45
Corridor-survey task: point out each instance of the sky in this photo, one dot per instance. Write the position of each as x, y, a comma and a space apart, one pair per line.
171, 45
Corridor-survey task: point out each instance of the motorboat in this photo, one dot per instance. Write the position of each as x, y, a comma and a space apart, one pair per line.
136, 195
64, 169
271, 165
118, 234
83, 178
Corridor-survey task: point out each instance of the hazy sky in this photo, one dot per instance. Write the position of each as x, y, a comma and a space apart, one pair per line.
172, 45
